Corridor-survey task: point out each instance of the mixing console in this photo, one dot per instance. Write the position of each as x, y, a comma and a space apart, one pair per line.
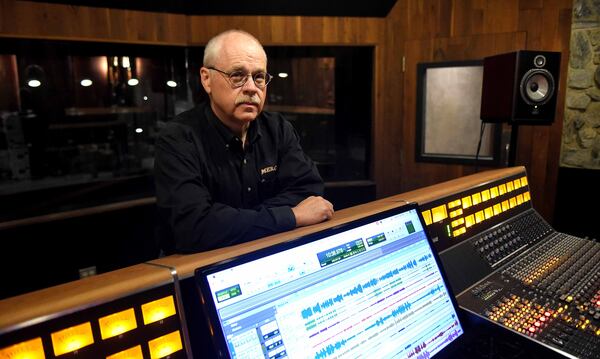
550, 292
510, 267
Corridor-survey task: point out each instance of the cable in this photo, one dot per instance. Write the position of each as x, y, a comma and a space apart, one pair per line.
479, 146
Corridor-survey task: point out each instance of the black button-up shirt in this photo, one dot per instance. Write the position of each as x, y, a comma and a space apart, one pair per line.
212, 193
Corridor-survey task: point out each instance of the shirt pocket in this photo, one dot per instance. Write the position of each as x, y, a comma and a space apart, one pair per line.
269, 181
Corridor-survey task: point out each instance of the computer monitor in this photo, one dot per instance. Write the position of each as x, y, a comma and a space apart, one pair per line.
369, 288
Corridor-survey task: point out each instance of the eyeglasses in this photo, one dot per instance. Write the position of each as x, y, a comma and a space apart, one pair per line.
239, 78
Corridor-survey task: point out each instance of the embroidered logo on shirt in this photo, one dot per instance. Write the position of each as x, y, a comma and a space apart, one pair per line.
265, 170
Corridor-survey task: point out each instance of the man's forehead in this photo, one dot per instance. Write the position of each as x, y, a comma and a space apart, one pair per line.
241, 50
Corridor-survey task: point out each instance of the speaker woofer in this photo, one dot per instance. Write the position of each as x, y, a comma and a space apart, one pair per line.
537, 86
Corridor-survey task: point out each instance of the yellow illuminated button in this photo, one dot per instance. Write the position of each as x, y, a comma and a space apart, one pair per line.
526, 196
469, 220
509, 186
457, 222
476, 198
456, 213
494, 192
454, 203
479, 216
466, 202
71, 339
505, 206
165, 345
31, 349
519, 199
427, 217
502, 189
517, 183
497, 209
117, 323
439, 213
158, 310
489, 212
131, 353
459, 231
512, 202
485, 195
524, 181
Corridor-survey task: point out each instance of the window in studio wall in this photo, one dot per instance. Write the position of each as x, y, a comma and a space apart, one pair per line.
78, 116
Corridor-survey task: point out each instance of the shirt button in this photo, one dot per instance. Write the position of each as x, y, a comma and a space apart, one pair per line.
249, 189
227, 146
245, 161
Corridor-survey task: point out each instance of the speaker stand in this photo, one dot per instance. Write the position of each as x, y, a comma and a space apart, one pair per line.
512, 147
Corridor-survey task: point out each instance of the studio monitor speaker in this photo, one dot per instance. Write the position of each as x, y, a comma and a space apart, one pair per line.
520, 87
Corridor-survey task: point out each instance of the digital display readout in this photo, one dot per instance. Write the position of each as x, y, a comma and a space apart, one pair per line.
378, 238
341, 252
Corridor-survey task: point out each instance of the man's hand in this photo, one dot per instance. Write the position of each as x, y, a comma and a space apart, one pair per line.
312, 210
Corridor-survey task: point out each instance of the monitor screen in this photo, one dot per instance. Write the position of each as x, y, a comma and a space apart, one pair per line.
369, 288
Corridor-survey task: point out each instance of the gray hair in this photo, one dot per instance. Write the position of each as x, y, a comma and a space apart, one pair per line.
213, 47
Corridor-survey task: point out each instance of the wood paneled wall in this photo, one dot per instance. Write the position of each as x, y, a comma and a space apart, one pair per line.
418, 30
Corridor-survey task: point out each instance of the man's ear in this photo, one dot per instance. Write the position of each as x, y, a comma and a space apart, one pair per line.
205, 79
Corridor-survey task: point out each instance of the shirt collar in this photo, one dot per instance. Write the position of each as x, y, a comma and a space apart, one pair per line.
254, 131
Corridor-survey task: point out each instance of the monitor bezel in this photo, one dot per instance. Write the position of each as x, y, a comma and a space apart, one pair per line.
209, 308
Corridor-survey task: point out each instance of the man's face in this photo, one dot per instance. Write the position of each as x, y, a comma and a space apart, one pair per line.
240, 105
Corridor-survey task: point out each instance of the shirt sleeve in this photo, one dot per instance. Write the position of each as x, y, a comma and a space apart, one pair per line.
298, 175
194, 221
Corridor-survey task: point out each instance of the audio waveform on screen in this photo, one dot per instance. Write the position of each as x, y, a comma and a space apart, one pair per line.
401, 309
360, 288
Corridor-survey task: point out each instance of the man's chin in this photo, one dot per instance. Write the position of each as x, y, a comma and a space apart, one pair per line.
247, 116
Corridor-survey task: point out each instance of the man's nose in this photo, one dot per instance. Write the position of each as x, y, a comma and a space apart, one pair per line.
249, 85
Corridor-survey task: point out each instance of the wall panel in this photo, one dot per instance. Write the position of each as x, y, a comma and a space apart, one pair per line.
419, 30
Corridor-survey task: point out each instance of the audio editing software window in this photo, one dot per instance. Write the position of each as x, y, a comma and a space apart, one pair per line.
371, 289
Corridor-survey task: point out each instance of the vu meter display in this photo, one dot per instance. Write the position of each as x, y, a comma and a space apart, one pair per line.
451, 218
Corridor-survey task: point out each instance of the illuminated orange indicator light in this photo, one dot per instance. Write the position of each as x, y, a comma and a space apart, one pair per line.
456, 213
479, 216
494, 192
476, 198
517, 183
469, 220
512, 202
457, 222
502, 189
505, 206
459, 231
466, 202
519, 199
485, 195
158, 310
509, 186
523, 181
497, 209
454, 203
131, 353
165, 345
31, 349
526, 196
117, 323
71, 339
489, 212
427, 217
439, 213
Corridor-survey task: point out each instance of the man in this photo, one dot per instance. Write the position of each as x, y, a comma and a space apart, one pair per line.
226, 172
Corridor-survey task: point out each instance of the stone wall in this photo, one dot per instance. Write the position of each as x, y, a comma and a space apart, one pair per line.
581, 125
